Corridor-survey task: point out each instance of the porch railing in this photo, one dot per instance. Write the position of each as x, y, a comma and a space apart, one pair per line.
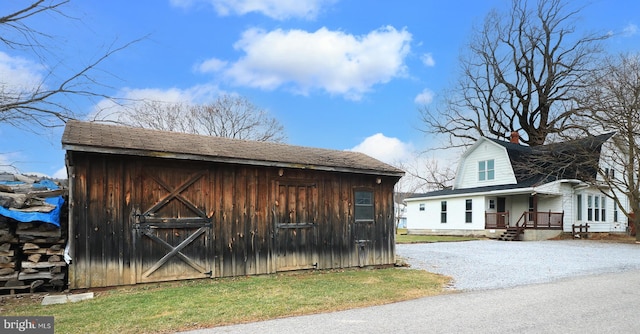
541, 220
496, 220
528, 219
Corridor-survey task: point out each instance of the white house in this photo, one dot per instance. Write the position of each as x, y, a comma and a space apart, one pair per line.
539, 191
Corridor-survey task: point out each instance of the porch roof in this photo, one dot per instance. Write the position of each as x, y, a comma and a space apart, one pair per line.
503, 189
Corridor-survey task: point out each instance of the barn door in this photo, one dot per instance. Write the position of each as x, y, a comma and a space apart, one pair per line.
296, 226
172, 233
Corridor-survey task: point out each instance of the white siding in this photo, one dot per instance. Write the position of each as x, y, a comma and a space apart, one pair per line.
568, 205
604, 224
519, 204
553, 204
417, 219
485, 150
429, 219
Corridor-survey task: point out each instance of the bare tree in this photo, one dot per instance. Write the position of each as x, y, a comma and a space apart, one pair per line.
613, 98
522, 74
236, 117
228, 116
45, 102
166, 116
427, 175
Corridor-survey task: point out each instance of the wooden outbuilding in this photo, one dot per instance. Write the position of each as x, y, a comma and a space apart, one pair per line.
150, 206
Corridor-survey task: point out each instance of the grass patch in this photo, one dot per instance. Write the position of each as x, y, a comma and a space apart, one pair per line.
403, 238
169, 307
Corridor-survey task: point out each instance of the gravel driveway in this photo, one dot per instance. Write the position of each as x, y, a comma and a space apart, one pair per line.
604, 299
493, 264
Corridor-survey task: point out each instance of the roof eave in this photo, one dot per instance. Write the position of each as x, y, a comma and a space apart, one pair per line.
222, 159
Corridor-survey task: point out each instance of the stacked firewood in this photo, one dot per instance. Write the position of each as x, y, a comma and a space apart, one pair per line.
7, 253
42, 248
31, 253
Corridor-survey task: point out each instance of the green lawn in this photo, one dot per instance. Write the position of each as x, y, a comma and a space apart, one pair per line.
403, 238
177, 306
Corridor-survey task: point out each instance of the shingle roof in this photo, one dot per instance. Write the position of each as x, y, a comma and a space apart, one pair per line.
116, 139
538, 165
573, 159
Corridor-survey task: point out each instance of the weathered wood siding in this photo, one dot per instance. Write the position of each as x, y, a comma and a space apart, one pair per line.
263, 220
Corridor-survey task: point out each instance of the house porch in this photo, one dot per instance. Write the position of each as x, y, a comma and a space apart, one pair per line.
530, 225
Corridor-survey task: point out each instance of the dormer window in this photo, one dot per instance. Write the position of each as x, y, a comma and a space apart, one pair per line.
486, 170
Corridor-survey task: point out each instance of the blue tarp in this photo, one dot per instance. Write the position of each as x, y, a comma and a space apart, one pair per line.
52, 217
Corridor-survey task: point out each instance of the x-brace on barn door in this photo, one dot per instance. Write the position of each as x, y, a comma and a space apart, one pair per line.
172, 232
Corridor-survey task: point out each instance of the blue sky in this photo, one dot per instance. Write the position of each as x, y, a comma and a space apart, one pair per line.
338, 74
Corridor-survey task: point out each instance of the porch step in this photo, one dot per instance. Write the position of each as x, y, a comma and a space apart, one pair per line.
511, 234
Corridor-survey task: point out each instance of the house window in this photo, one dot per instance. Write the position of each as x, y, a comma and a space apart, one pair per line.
595, 208
443, 211
421, 206
364, 206
610, 173
468, 211
486, 170
615, 212
579, 209
492, 204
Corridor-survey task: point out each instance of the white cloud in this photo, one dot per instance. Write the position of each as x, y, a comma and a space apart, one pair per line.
211, 65
110, 110
60, 173
425, 97
397, 153
390, 150
18, 75
427, 60
275, 9
404, 156
333, 61
191, 94
630, 30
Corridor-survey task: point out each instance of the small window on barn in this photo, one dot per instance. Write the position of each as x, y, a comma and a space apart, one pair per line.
421, 206
364, 206
443, 212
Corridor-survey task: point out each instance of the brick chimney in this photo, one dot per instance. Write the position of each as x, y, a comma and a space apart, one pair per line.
515, 137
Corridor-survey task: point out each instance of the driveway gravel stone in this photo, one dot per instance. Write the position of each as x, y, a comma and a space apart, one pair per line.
493, 264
